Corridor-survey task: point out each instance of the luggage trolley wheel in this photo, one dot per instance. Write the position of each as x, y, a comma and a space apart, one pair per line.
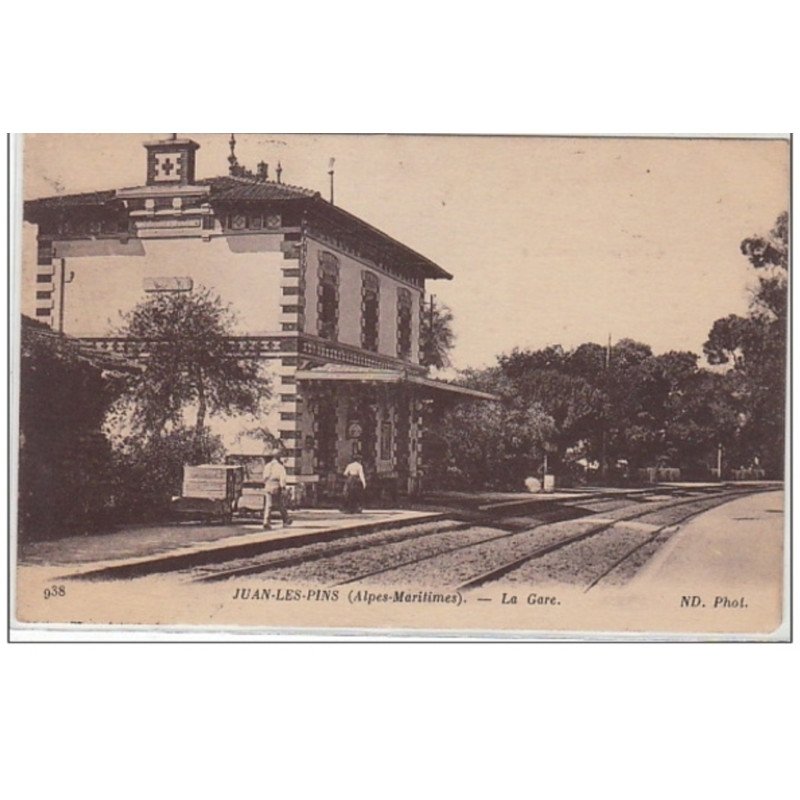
228, 512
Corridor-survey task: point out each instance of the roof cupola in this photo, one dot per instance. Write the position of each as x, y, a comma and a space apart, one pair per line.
171, 161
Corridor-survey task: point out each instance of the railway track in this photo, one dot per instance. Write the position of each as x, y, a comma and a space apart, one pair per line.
360, 543
436, 543
499, 571
277, 561
693, 507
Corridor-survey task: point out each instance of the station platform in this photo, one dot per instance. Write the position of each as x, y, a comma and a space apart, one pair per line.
190, 541
173, 544
738, 545
147, 541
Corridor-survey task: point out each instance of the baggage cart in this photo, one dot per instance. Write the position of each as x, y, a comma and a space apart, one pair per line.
210, 491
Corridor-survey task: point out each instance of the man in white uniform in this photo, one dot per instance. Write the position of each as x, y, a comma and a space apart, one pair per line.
274, 486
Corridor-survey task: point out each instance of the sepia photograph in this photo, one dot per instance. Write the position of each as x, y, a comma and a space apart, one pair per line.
510, 386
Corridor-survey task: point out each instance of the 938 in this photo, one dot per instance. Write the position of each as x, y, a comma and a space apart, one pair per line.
54, 591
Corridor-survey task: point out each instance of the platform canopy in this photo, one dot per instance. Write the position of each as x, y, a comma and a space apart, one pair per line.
347, 374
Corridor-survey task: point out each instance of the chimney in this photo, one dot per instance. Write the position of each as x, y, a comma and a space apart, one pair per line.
278, 171
263, 171
171, 161
232, 160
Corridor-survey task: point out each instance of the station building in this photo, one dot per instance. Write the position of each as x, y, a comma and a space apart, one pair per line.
330, 303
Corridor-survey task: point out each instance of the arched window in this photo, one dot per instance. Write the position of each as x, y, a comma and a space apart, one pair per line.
404, 306
370, 311
328, 296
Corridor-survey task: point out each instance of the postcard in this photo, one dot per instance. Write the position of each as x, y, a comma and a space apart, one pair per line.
457, 386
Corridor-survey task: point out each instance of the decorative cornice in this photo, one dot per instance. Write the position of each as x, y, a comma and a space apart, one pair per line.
338, 353
244, 346
321, 350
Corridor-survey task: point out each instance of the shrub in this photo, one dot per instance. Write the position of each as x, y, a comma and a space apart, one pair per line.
149, 470
66, 465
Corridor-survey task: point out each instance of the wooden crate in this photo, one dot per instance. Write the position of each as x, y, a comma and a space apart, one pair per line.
252, 499
212, 482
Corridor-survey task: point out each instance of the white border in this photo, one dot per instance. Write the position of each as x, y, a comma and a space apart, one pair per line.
26, 632
467, 720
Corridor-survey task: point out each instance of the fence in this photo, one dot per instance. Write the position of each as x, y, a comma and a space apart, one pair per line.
659, 474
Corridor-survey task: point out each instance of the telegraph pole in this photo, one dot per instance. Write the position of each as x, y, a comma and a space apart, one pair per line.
62, 285
603, 457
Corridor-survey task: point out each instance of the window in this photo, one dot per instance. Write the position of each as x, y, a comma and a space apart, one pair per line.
326, 434
404, 306
386, 441
328, 297
44, 279
370, 311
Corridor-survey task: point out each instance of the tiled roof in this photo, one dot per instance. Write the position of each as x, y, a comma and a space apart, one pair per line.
222, 188
227, 187
428, 267
71, 200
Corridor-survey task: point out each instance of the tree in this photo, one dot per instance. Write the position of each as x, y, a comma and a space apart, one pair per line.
730, 338
770, 255
436, 336
588, 361
490, 445
572, 404
189, 363
520, 363
65, 469
755, 348
148, 471
635, 392
699, 412
603, 404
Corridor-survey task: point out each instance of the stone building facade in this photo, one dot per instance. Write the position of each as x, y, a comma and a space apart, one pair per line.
330, 303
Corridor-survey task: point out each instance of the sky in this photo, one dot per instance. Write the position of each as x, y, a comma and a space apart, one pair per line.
550, 240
